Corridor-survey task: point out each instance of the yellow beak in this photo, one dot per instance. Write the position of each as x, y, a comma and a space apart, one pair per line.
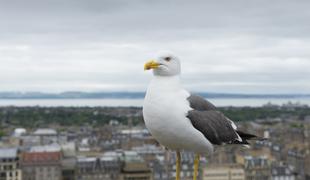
152, 64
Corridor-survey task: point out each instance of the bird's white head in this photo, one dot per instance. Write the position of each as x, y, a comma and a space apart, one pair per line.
165, 65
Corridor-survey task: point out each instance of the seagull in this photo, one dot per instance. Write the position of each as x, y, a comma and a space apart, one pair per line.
180, 120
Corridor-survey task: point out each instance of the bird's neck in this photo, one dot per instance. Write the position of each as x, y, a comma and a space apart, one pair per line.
166, 83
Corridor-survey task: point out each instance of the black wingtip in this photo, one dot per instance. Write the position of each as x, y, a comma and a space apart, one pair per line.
246, 136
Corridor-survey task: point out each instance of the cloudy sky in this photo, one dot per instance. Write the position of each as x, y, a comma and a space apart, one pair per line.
240, 46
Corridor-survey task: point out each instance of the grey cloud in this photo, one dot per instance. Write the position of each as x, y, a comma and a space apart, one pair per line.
245, 46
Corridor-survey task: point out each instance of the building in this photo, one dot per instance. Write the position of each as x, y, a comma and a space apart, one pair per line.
29, 141
297, 159
45, 132
223, 155
68, 171
149, 151
68, 161
9, 164
41, 165
134, 167
47, 136
224, 172
19, 132
111, 164
47, 148
160, 168
257, 168
105, 167
282, 172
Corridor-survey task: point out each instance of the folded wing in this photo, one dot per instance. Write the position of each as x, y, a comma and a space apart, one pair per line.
213, 124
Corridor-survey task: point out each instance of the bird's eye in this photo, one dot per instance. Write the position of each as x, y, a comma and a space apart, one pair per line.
167, 58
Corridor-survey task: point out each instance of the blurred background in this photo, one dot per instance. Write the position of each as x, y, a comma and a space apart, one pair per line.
72, 86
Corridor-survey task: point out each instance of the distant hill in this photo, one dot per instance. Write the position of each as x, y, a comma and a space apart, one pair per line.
130, 95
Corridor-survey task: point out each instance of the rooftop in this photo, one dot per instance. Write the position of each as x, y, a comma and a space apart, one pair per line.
8, 153
136, 167
68, 163
132, 156
47, 148
134, 131
45, 132
86, 159
41, 157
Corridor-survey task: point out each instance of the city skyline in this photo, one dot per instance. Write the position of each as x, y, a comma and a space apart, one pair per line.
257, 47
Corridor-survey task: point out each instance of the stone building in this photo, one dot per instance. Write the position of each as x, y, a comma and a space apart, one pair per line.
257, 168
41, 165
297, 159
134, 167
224, 172
68, 168
9, 164
136, 171
105, 167
282, 172
46, 136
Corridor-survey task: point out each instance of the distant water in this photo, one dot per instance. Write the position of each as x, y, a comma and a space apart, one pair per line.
254, 102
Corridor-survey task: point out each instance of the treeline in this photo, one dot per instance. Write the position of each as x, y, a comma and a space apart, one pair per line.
265, 113
30, 117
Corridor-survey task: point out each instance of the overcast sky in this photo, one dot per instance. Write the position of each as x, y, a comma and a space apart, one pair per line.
257, 46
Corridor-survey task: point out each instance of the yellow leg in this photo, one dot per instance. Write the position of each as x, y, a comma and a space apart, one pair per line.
196, 166
178, 166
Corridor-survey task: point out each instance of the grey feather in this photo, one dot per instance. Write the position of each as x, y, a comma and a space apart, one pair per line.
214, 126
199, 103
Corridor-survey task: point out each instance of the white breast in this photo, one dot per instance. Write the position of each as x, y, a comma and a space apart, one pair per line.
164, 110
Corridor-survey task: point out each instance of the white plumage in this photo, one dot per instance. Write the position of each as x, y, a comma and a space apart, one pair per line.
165, 109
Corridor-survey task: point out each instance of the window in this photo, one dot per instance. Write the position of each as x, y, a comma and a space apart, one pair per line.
3, 174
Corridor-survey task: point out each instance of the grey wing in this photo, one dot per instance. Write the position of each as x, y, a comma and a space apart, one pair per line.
199, 103
214, 126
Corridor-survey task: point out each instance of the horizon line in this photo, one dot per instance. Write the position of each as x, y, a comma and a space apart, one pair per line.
140, 92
